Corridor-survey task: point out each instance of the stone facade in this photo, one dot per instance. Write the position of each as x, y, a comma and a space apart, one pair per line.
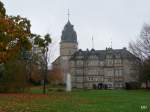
111, 67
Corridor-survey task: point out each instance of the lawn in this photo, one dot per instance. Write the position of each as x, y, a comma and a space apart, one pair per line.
77, 101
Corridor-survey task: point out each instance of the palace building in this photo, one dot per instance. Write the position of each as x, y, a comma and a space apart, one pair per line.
95, 68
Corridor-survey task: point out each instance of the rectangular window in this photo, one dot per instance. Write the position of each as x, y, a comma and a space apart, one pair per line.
92, 72
79, 71
79, 63
109, 72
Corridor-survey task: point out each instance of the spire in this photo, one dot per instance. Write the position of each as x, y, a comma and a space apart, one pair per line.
68, 14
68, 33
92, 43
111, 43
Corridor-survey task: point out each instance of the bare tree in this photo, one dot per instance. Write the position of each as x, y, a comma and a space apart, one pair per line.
141, 47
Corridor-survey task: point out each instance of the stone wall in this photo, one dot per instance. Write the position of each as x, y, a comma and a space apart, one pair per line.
113, 72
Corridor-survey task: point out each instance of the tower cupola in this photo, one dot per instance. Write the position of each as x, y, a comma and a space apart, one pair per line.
69, 34
68, 44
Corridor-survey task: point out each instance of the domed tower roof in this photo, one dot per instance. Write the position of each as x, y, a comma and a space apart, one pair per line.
68, 34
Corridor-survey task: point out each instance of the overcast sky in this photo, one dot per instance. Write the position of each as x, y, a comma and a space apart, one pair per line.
105, 20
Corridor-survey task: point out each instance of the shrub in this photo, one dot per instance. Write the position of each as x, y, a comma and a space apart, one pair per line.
60, 90
94, 86
13, 78
55, 76
132, 85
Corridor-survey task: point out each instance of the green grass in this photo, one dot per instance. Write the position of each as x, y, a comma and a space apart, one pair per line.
77, 101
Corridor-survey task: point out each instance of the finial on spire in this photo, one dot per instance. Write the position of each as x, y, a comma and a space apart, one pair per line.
68, 14
92, 43
111, 43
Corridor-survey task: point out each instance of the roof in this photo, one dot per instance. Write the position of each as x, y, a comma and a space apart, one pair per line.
101, 54
56, 61
68, 33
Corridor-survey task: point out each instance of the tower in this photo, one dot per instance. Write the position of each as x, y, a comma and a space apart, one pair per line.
68, 44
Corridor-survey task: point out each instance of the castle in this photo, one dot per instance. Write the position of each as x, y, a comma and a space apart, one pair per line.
110, 68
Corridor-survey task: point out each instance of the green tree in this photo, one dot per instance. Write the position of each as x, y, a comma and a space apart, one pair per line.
43, 43
145, 77
2, 10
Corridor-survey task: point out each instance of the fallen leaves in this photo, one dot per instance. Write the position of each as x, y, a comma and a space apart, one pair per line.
19, 102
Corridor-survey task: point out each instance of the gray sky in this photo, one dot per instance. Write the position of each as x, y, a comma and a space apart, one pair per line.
105, 20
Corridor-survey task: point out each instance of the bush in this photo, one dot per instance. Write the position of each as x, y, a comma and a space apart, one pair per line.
94, 86
56, 89
60, 90
132, 85
55, 76
13, 78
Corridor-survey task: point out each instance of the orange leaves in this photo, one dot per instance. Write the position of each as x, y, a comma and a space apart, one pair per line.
14, 34
55, 76
2, 56
14, 30
20, 102
6, 25
36, 75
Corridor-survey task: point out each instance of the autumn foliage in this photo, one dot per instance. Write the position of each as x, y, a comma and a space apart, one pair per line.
55, 76
16, 55
14, 35
14, 39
